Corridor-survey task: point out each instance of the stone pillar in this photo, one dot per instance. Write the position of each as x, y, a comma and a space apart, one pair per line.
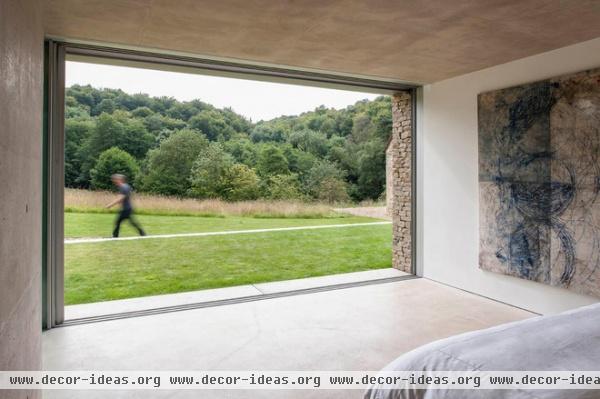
390, 151
401, 145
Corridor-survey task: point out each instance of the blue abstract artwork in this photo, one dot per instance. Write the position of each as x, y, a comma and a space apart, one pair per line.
539, 181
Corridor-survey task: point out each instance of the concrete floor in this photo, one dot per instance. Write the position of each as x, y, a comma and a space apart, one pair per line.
361, 328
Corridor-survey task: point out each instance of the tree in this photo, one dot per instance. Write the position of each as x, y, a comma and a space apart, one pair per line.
320, 154
240, 183
76, 132
344, 123
274, 131
82, 94
271, 161
243, 150
111, 161
161, 104
380, 113
216, 175
212, 124
183, 111
107, 133
321, 171
156, 123
142, 112
371, 170
299, 161
328, 127
116, 130
283, 187
332, 190
209, 172
310, 141
136, 140
74, 110
107, 105
167, 168
237, 122
362, 129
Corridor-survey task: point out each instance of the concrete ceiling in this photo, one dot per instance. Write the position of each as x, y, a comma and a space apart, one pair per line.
411, 40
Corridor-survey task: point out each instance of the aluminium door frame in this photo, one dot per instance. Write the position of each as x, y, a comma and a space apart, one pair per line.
56, 53
53, 190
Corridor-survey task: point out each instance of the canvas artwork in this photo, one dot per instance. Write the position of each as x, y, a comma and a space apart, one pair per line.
539, 181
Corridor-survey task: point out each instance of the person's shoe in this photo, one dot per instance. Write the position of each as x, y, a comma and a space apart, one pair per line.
142, 233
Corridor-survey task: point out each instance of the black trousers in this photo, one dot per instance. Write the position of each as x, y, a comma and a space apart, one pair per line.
126, 214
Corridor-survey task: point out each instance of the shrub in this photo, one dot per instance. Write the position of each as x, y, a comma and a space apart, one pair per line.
283, 187
113, 160
332, 190
240, 183
320, 172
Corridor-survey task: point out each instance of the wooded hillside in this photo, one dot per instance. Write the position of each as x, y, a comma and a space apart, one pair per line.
193, 149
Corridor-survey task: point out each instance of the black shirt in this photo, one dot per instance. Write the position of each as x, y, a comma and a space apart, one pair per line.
125, 190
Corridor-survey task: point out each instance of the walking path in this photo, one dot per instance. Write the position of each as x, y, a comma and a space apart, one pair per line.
378, 212
218, 233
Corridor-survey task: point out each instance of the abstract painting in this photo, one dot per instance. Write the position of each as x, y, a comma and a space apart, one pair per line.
539, 181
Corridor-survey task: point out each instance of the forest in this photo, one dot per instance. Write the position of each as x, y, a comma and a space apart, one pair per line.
195, 150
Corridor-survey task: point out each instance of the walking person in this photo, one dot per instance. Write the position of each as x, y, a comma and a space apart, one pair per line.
126, 212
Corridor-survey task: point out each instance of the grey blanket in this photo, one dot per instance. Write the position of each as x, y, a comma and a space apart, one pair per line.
564, 342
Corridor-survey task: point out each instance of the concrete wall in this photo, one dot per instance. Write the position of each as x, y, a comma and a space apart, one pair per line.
448, 179
21, 79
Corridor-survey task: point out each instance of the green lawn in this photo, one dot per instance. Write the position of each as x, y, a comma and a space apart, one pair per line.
79, 225
126, 269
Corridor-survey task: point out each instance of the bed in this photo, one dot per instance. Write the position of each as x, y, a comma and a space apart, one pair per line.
567, 341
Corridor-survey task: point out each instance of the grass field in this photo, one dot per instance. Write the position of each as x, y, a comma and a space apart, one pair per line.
79, 225
110, 270
115, 270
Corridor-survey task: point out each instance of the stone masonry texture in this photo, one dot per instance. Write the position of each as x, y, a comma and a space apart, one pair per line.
400, 153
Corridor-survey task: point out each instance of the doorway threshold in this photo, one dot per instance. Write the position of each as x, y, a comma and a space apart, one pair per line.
144, 306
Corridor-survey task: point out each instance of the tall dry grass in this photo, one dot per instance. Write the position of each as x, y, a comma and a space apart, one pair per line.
95, 202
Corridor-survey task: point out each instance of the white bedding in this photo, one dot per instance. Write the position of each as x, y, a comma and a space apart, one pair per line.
563, 342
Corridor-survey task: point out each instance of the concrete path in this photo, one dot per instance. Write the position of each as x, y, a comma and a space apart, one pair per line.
378, 212
219, 233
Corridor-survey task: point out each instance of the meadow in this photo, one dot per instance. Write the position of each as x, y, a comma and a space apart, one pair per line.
89, 201
118, 269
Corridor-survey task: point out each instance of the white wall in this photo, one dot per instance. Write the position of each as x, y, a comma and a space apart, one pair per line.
448, 179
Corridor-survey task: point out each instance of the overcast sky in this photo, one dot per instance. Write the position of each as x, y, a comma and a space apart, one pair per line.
255, 100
